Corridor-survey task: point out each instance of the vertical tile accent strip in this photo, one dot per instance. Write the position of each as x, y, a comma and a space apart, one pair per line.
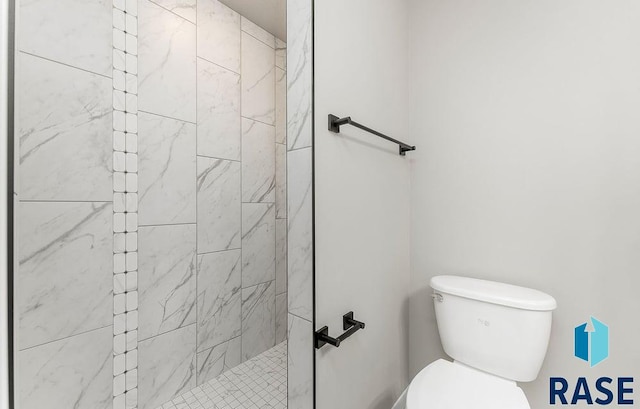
299, 140
125, 204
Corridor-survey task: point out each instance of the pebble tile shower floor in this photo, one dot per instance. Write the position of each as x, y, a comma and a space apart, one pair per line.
258, 383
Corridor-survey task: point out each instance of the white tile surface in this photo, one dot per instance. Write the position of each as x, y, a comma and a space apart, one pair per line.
299, 73
167, 278
258, 162
166, 63
183, 8
258, 32
219, 34
167, 177
281, 256
258, 80
281, 181
64, 129
300, 358
258, 243
281, 106
74, 32
281, 317
260, 382
166, 366
281, 54
300, 238
65, 280
218, 359
219, 126
73, 372
258, 319
219, 298
219, 205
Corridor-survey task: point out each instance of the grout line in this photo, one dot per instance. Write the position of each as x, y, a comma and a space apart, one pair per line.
64, 201
218, 344
216, 64
65, 64
169, 117
217, 158
297, 316
65, 338
140, 340
175, 14
299, 149
257, 120
218, 251
167, 224
273, 47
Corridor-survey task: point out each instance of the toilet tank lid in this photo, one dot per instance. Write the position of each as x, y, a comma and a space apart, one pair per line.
494, 292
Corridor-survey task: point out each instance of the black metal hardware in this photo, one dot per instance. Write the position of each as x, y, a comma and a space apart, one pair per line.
335, 123
350, 325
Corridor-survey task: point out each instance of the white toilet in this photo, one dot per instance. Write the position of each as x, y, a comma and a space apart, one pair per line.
497, 335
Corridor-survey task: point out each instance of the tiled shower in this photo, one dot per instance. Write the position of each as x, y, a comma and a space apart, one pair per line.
152, 178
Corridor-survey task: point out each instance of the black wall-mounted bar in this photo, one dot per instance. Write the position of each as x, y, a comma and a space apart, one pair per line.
349, 325
335, 123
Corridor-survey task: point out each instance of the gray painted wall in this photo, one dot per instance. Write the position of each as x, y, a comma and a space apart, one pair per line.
362, 201
528, 167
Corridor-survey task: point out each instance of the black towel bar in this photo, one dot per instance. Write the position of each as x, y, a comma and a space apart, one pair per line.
335, 123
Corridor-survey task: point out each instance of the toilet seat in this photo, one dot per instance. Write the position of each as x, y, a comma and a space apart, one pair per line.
450, 385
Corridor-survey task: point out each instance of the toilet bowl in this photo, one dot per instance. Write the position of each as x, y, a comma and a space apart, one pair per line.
497, 335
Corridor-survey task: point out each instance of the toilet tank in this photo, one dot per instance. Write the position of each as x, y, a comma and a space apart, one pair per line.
498, 328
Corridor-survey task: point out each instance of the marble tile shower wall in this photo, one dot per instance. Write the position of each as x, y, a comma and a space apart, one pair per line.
153, 199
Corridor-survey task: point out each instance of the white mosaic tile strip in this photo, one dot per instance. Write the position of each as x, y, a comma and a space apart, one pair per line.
125, 204
258, 383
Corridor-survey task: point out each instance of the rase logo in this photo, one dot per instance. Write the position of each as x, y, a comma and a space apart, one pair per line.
591, 344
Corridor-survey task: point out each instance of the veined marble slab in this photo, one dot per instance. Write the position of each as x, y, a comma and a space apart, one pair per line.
167, 170
219, 34
258, 80
219, 205
218, 359
219, 298
74, 372
64, 129
258, 319
258, 162
183, 8
65, 276
258, 243
166, 279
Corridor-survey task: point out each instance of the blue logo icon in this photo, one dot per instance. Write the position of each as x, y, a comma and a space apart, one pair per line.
591, 344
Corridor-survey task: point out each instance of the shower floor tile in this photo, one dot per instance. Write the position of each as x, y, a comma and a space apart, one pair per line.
258, 383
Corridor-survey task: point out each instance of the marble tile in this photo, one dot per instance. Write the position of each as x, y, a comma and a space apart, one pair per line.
281, 106
281, 181
219, 298
219, 34
219, 125
219, 205
258, 319
281, 54
167, 170
258, 162
281, 317
74, 32
166, 63
258, 80
166, 366
281, 256
300, 363
183, 8
257, 32
74, 372
258, 243
300, 235
166, 279
65, 280
218, 359
64, 127
299, 74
